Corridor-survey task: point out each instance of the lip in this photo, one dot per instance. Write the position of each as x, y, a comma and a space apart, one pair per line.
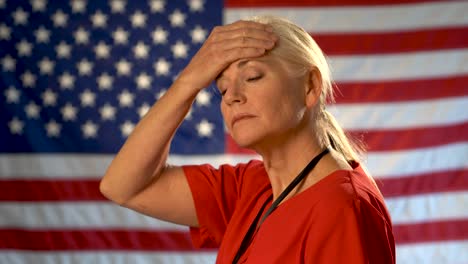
239, 117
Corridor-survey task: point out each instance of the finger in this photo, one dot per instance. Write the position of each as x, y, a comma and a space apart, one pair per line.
246, 42
245, 24
242, 53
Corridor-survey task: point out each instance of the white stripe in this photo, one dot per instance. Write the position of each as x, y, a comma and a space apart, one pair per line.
106, 257
394, 164
427, 253
380, 164
77, 215
399, 66
433, 253
428, 208
365, 19
80, 166
104, 215
408, 114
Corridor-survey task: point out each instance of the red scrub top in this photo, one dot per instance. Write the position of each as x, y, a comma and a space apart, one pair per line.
340, 219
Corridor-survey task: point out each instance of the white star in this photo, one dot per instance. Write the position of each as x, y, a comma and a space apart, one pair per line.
24, 48
143, 81
16, 126
196, 5
162, 67
127, 128
179, 50
203, 98
123, 67
141, 50
28, 79
63, 50
69, 112
142, 110
8, 63
159, 35
89, 129
157, 6
177, 18
38, 5
78, 6
205, 128
198, 34
102, 50
87, 98
46, 66
189, 114
12, 95
20, 17
67, 81
32, 110
59, 18
42, 35
53, 128
5, 32
120, 36
138, 19
117, 6
160, 93
105, 81
84, 67
107, 112
49, 98
99, 20
126, 98
81, 36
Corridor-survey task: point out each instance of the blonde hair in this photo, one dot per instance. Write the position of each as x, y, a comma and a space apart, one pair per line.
299, 50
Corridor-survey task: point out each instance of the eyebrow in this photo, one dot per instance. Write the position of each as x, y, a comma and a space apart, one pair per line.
240, 65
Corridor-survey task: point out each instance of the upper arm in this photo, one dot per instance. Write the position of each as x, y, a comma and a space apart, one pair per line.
168, 198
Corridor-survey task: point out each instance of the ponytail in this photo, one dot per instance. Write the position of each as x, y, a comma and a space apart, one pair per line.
336, 137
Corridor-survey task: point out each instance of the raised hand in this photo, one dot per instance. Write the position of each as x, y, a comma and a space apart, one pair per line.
226, 44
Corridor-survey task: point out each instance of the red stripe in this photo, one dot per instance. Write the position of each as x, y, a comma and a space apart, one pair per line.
77, 190
392, 42
411, 138
394, 139
433, 182
180, 241
401, 90
431, 231
95, 240
50, 190
316, 3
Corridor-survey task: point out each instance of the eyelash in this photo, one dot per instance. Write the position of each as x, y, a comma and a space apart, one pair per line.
248, 80
254, 78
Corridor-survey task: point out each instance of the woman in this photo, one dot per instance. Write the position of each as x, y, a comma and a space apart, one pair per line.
307, 201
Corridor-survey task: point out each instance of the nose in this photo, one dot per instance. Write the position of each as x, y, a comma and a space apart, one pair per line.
235, 94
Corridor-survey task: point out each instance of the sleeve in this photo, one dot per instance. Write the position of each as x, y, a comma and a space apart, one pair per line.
352, 232
215, 193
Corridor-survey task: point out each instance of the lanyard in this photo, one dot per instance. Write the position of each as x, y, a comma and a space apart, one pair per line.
253, 227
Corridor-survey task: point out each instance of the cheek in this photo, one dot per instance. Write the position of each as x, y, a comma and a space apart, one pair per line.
225, 114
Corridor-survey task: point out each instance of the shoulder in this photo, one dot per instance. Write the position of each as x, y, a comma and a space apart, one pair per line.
351, 190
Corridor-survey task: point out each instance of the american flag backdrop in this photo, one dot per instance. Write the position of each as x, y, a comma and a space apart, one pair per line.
76, 76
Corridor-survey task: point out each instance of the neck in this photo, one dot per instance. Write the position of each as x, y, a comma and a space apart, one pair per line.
288, 158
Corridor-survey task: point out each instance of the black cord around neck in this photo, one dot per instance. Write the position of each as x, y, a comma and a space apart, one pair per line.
253, 227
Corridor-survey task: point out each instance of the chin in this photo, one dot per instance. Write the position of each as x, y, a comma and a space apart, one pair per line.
247, 139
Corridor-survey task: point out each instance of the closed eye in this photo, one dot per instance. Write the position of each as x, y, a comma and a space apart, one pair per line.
255, 78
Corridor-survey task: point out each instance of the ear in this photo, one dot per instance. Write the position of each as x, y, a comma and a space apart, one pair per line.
313, 87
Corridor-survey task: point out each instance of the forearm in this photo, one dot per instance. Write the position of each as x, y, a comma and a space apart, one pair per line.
144, 154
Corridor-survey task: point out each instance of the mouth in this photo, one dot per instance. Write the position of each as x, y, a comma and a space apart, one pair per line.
240, 117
